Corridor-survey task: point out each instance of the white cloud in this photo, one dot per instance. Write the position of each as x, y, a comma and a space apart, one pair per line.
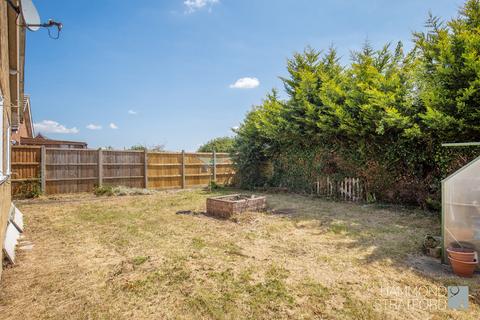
92, 126
113, 126
50, 126
245, 83
132, 112
194, 5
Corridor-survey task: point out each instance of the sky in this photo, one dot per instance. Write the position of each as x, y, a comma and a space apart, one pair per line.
181, 72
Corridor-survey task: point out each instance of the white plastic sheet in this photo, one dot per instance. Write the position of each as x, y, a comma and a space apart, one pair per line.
11, 240
18, 219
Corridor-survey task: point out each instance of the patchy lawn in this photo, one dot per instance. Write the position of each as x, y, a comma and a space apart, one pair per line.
134, 257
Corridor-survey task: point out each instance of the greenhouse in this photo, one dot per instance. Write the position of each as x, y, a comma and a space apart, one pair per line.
461, 208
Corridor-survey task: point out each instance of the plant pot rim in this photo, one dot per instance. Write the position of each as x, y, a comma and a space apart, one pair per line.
461, 250
463, 262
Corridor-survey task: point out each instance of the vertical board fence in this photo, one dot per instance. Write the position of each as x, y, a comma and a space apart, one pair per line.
164, 170
26, 162
69, 171
57, 170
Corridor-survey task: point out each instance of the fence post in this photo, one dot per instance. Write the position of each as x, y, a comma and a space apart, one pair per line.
145, 172
214, 166
43, 167
100, 167
183, 169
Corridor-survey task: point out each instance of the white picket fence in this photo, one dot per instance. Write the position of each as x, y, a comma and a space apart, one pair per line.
348, 189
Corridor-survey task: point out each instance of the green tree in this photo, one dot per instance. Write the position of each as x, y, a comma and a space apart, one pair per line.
450, 77
154, 148
314, 87
222, 144
138, 147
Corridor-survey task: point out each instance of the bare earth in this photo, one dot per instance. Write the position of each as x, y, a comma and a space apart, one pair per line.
134, 258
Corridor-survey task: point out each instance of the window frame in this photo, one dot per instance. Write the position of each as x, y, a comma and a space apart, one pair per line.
3, 176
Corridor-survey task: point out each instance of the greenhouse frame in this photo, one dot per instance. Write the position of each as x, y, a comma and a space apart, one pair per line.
461, 208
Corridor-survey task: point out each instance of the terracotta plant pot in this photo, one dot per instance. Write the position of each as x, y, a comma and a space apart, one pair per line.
462, 254
463, 268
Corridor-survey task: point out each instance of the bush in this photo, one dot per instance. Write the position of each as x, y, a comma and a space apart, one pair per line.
28, 190
103, 191
212, 186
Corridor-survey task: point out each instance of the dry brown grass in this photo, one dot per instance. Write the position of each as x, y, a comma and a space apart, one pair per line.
134, 258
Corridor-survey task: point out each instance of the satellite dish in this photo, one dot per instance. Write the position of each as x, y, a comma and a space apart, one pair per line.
30, 15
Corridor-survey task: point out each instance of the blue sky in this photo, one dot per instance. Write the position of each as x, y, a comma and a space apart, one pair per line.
165, 72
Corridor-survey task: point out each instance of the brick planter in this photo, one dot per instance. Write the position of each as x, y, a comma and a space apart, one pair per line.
226, 206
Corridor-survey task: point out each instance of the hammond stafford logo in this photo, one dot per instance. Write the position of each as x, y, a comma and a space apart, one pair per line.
458, 297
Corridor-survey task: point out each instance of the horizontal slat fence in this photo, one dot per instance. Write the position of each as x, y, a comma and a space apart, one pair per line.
78, 170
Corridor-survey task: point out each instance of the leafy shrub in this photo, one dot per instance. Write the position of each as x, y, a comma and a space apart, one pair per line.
28, 190
103, 191
212, 186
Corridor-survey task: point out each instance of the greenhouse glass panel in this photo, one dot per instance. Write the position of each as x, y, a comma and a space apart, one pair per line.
461, 208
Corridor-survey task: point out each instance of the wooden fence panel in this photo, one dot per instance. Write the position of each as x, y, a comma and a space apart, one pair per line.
79, 170
164, 170
70, 170
25, 166
225, 171
198, 169
125, 168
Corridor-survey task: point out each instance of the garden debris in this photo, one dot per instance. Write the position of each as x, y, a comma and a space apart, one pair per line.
431, 241
284, 211
120, 191
189, 212
435, 252
431, 246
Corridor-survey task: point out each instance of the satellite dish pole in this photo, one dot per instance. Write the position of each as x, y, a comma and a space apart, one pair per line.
32, 18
